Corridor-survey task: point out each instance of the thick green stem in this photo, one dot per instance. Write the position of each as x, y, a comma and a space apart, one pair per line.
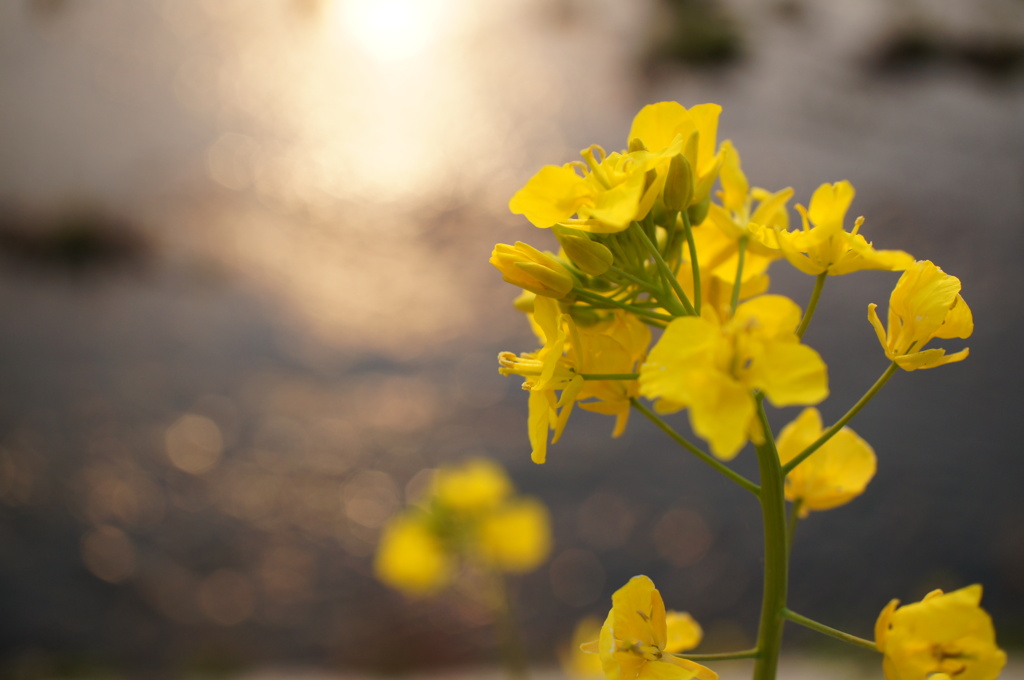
794, 517
828, 630
694, 262
854, 410
666, 273
738, 283
812, 304
707, 458
773, 510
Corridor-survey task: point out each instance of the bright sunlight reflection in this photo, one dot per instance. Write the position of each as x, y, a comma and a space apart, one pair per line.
390, 30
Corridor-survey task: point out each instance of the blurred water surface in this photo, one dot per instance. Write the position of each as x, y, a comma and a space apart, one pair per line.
246, 304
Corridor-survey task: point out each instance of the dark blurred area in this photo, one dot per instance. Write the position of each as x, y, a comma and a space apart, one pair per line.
246, 298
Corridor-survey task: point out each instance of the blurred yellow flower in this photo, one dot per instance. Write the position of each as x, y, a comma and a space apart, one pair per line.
575, 661
827, 247
474, 486
925, 304
634, 638
713, 368
835, 474
470, 515
411, 556
515, 537
942, 634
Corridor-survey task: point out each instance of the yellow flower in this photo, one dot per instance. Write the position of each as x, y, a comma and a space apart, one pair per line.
606, 197
633, 644
411, 557
925, 304
524, 266
835, 474
737, 217
475, 486
667, 127
712, 369
515, 537
575, 661
827, 247
942, 634
546, 371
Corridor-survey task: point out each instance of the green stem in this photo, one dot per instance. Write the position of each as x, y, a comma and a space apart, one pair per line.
694, 263
707, 458
794, 517
610, 376
773, 510
508, 630
595, 298
828, 630
738, 283
645, 285
854, 410
812, 304
721, 656
666, 273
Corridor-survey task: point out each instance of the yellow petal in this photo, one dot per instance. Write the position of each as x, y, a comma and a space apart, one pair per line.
411, 558
551, 196
516, 537
683, 632
790, 374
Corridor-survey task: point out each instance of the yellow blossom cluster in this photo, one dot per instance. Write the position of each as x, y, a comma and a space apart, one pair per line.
660, 291
469, 516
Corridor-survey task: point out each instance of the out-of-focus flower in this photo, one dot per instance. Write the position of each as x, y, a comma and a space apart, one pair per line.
538, 272
470, 516
575, 661
634, 639
515, 537
835, 474
827, 247
411, 557
925, 304
942, 634
712, 369
475, 486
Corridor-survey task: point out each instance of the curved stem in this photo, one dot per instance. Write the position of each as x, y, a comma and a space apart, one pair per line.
776, 567
812, 304
694, 262
828, 630
854, 410
721, 656
666, 273
707, 458
738, 283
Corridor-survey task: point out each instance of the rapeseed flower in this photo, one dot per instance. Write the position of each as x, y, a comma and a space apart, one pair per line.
925, 304
531, 269
945, 633
835, 474
826, 247
470, 515
713, 368
634, 640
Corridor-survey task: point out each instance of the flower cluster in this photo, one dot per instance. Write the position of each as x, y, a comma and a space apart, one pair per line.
660, 290
470, 515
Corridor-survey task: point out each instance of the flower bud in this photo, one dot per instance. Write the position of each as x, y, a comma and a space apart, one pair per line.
524, 266
592, 257
679, 184
698, 211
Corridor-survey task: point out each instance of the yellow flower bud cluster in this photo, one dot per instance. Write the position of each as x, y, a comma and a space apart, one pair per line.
470, 517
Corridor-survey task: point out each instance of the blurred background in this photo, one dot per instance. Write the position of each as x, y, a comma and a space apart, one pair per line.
246, 303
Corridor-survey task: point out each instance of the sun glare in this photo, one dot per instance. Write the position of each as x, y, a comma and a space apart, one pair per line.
390, 30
